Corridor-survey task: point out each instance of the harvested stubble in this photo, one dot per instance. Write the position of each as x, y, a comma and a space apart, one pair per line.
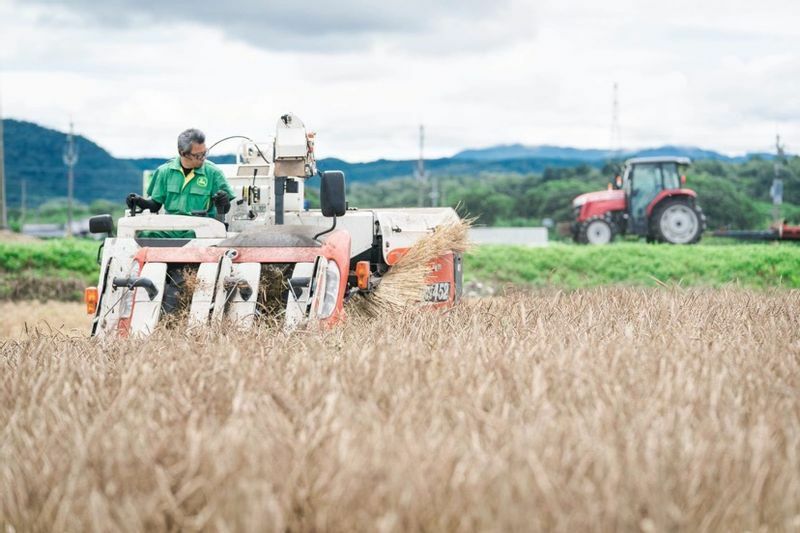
26, 287
20, 320
605, 410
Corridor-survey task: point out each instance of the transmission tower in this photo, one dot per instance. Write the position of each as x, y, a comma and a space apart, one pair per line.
616, 131
420, 173
70, 160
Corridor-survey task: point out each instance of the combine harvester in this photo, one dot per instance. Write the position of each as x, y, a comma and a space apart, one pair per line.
269, 259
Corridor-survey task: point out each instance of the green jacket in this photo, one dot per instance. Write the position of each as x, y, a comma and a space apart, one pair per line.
169, 188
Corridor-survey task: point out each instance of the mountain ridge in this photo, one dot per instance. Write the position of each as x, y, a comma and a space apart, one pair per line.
504, 152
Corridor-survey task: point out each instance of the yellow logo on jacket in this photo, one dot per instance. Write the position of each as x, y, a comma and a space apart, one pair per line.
202, 181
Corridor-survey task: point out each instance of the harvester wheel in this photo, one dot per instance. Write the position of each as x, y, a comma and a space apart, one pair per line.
597, 230
678, 222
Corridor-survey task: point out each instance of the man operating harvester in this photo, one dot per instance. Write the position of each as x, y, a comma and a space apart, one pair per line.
186, 185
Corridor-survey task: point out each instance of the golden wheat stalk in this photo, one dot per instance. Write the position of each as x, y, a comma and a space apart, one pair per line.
612, 409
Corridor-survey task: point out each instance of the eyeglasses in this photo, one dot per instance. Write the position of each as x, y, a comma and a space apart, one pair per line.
199, 156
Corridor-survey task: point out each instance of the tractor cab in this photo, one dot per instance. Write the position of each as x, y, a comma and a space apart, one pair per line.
647, 180
648, 200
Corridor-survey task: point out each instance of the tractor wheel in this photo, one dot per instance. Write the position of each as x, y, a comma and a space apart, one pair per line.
597, 230
677, 222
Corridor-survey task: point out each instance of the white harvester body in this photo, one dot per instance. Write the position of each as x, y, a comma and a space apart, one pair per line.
269, 257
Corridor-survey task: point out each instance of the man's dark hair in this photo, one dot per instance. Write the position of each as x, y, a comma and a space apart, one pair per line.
186, 138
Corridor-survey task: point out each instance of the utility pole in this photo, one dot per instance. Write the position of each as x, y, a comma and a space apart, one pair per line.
3, 206
434, 191
776, 191
434, 185
70, 159
22, 191
421, 175
616, 131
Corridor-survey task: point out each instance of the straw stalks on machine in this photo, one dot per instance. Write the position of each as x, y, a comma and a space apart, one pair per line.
404, 283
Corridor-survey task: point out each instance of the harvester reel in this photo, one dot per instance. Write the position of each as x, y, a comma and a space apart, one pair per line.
678, 222
597, 230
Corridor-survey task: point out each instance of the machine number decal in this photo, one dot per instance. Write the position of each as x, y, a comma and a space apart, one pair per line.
437, 292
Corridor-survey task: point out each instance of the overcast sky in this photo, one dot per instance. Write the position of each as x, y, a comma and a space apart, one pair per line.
722, 75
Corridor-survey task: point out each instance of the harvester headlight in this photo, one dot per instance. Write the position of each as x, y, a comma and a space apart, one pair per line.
362, 275
90, 298
332, 278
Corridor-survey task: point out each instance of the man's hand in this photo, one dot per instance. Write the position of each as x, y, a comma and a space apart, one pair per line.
133, 200
222, 202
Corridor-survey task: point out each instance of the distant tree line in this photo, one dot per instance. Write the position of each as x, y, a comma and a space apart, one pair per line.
733, 195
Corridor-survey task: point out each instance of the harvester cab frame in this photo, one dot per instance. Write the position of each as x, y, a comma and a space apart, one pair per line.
649, 200
269, 258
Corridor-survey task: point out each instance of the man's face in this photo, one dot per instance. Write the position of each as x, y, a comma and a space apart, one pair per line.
195, 157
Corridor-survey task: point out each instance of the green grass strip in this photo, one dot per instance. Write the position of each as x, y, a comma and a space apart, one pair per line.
637, 264
57, 257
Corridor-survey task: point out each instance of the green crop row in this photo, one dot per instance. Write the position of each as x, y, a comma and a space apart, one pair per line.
76, 256
57, 269
639, 264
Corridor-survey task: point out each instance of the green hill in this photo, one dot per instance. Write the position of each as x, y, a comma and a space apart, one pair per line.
34, 154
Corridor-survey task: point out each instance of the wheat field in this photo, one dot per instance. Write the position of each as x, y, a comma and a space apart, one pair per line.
23, 319
611, 409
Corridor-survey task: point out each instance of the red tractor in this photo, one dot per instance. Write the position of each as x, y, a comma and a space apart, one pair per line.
647, 200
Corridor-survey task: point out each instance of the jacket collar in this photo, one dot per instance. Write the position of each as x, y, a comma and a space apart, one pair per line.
175, 164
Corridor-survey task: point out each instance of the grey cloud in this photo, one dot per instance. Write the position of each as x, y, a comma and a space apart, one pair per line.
305, 26
761, 90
